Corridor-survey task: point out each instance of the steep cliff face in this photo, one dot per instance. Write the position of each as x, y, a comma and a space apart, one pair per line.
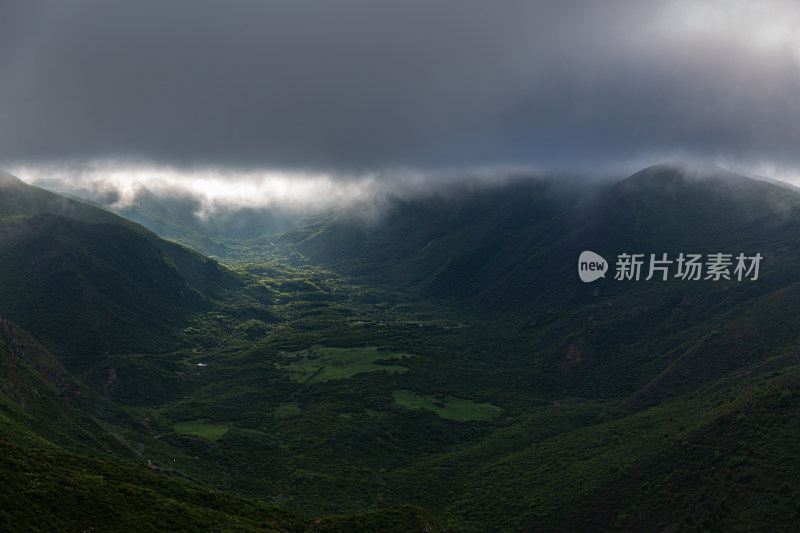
42, 405
30, 374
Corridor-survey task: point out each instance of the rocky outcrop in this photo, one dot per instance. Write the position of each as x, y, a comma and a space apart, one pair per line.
24, 350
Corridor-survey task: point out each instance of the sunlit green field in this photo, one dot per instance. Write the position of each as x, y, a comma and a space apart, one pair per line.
448, 407
321, 363
202, 428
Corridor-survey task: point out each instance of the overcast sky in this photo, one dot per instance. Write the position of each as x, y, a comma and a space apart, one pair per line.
355, 87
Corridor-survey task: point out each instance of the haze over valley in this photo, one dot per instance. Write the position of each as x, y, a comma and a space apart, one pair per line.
452, 266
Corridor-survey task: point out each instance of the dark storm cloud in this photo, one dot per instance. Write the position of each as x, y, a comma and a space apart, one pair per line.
364, 85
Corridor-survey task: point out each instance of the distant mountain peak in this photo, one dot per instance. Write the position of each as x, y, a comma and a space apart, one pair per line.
673, 175
9, 179
681, 168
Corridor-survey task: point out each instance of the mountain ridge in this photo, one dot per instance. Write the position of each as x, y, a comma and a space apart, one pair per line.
86, 281
451, 358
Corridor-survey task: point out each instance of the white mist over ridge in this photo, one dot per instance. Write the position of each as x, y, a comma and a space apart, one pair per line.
216, 191
213, 189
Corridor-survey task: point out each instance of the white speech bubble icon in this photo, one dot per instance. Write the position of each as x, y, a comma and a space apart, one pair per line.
591, 266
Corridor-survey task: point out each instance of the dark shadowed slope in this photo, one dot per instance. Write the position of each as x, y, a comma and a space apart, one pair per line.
416, 237
662, 209
87, 281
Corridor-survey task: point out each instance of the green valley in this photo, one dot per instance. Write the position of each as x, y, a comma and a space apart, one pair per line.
441, 368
